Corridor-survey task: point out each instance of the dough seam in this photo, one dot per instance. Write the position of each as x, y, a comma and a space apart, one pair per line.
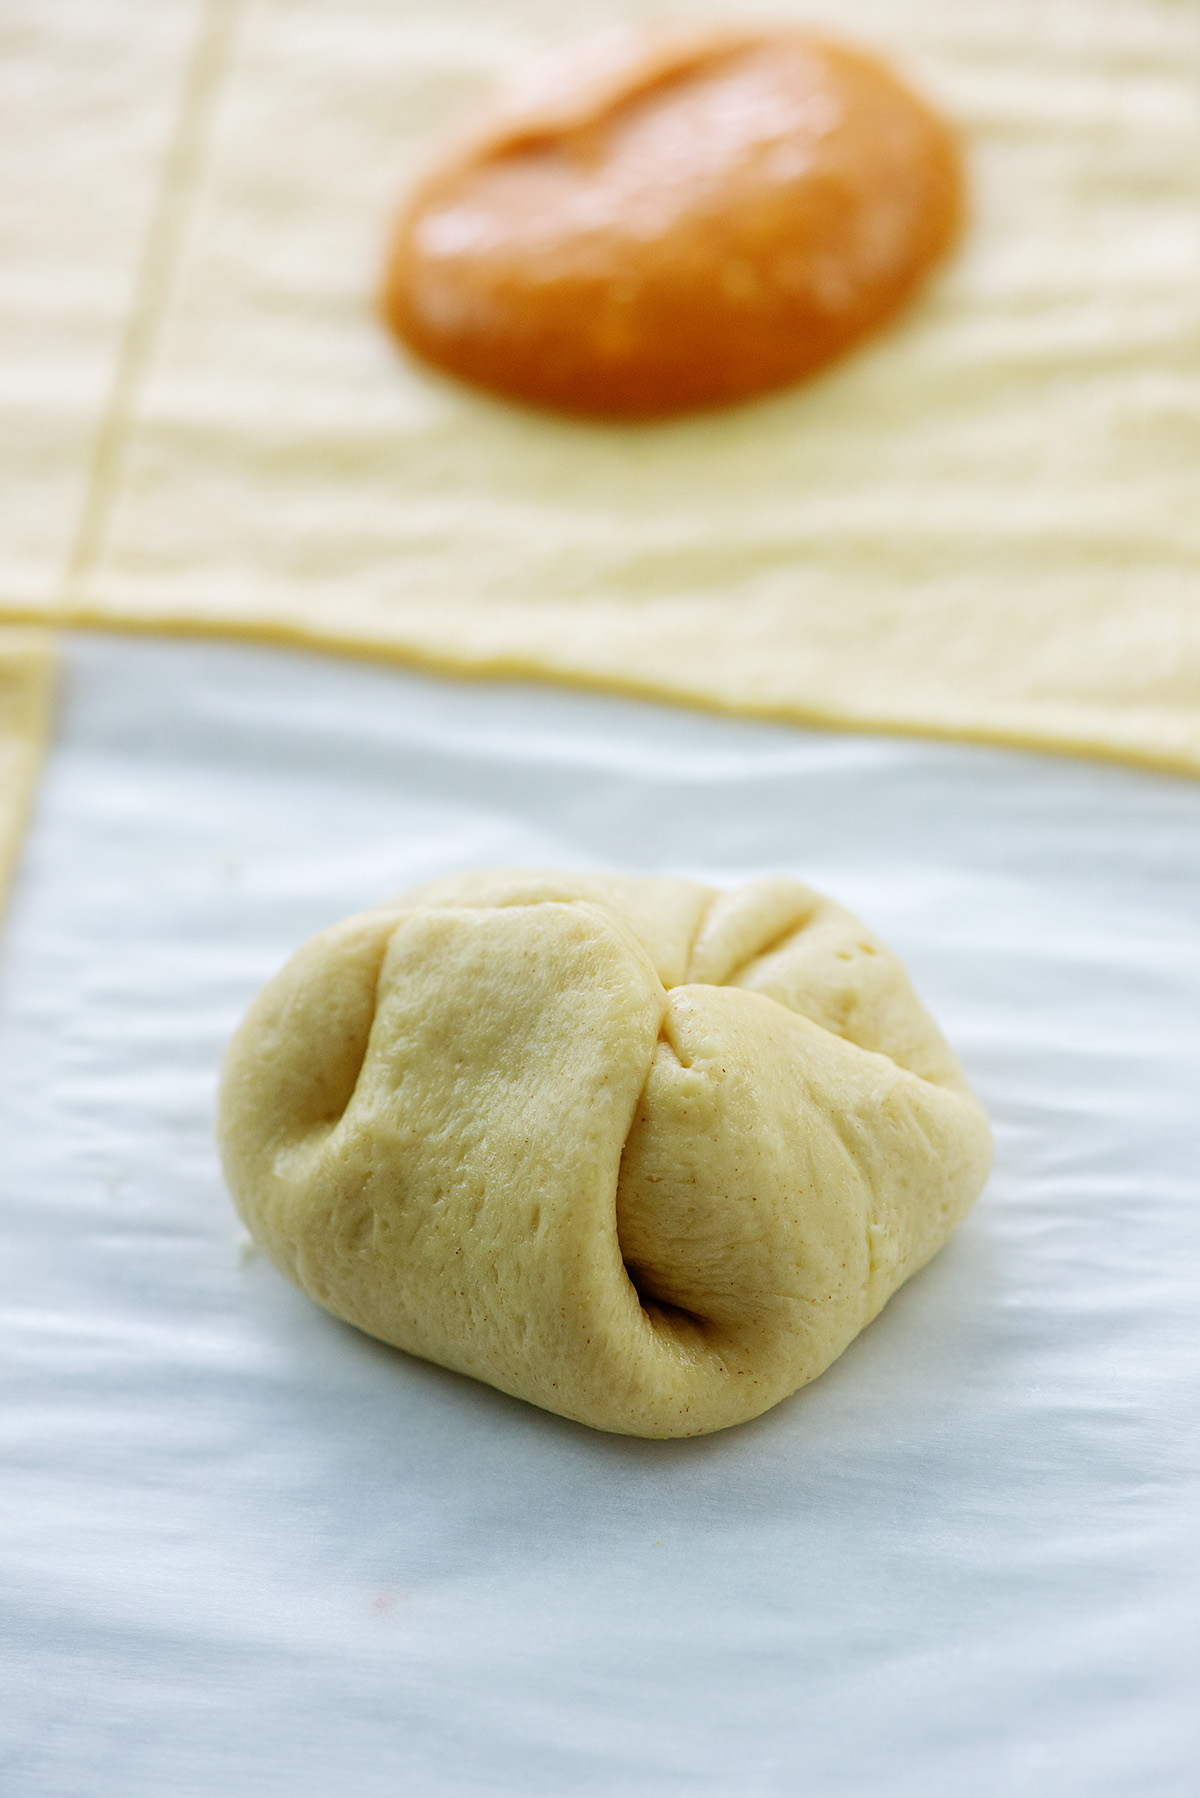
182, 174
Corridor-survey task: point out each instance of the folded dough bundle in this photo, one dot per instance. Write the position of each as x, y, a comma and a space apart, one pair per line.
640, 1152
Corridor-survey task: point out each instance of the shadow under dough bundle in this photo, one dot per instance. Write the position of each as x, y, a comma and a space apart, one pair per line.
643, 1153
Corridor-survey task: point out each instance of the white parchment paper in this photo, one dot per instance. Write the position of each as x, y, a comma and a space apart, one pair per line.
248, 1552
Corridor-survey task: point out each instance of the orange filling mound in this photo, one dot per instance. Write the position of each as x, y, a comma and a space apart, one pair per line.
659, 224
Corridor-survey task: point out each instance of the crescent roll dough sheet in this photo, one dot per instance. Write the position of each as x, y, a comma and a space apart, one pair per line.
94, 98
26, 681
982, 525
101, 104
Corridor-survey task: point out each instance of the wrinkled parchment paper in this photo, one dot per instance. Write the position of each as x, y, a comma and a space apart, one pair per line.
246, 1550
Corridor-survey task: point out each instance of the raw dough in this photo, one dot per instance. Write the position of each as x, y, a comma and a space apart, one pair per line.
645, 1154
91, 97
983, 524
27, 665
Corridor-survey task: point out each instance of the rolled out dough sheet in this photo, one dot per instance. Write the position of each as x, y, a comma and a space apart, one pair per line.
26, 681
984, 525
93, 97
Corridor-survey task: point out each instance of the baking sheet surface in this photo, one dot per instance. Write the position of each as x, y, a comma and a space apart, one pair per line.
246, 1550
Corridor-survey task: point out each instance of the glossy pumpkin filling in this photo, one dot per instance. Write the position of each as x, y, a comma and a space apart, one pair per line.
652, 225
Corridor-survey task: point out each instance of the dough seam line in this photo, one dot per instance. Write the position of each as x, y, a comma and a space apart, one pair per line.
166, 234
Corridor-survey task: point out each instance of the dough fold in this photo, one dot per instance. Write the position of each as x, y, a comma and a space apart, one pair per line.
644, 1154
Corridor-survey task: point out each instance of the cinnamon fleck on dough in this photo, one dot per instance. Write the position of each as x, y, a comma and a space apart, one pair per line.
645, 1154
662, 221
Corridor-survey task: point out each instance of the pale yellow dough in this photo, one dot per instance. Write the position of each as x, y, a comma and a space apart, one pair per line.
94, 147
984, 525
27, 665
642, 1153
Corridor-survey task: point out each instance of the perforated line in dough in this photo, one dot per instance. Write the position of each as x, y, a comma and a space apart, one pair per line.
183, 169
